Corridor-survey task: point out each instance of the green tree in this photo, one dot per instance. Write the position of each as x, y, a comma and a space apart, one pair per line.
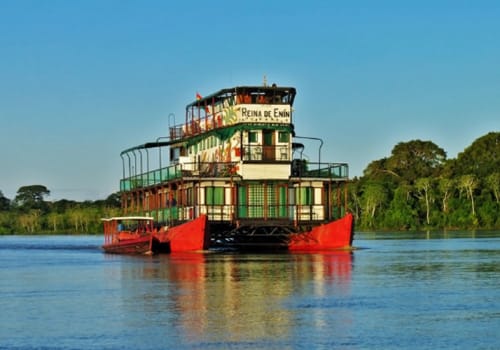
113, 200
75, 218
424, 190
398, 174
481, 158
354, 198
446, 187
90, 215
7, 220
4, 202
401, 213
493, 183
30, 221
469, 184
378, 170
416, 159
62, 205
32, 197
55, 221
374, 195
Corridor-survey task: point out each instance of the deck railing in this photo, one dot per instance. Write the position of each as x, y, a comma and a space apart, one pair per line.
256, 213
299, 169
302, 168
178, 171
196, 127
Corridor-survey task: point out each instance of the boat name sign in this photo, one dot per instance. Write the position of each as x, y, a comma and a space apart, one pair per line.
268, 114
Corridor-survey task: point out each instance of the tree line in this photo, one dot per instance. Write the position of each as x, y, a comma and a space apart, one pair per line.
415, 188
30, 213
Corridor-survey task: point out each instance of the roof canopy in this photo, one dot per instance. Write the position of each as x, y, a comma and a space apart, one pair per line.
224, 93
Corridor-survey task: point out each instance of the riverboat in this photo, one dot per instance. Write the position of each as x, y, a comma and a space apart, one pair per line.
236, 160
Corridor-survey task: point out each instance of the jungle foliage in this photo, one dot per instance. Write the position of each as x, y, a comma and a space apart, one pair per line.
29, 213
417, 187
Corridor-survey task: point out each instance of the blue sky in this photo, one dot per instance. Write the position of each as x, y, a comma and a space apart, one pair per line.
82, 80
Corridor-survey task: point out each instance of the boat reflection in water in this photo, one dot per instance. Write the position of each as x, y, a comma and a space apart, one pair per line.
225, 297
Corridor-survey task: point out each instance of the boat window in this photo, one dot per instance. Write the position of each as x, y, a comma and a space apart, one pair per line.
269, 137
252, 136
305, 196
214, 195
188, 195
174, 154
256, 200
283, 136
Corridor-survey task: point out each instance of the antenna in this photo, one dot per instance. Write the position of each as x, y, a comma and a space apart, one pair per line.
265, 81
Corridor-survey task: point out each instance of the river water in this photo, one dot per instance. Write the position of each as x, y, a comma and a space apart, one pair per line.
421, 291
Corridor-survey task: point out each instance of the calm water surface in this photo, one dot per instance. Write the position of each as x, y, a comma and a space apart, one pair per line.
426, 291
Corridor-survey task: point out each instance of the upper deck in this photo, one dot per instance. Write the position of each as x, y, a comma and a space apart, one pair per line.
244, 131
269, 105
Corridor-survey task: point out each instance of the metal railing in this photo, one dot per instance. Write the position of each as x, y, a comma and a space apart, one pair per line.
299, 169
178, 171
196, 126
304, 169
229, 213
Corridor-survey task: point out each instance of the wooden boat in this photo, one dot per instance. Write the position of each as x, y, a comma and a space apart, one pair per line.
138, 235
236, 160
128, 235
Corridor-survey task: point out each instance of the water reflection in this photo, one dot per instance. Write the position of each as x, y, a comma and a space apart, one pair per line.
239, 297
396, 293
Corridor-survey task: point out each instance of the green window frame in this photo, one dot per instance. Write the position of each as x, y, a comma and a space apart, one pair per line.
283, 136
256, 200
214, 195
189, 196
305, 196
242, 202
252, 136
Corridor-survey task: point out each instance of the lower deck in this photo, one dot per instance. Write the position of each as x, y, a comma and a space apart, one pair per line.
233, 201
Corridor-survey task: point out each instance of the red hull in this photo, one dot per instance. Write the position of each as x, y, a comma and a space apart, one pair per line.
194, 235
190, 236
337, 234
137, 246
